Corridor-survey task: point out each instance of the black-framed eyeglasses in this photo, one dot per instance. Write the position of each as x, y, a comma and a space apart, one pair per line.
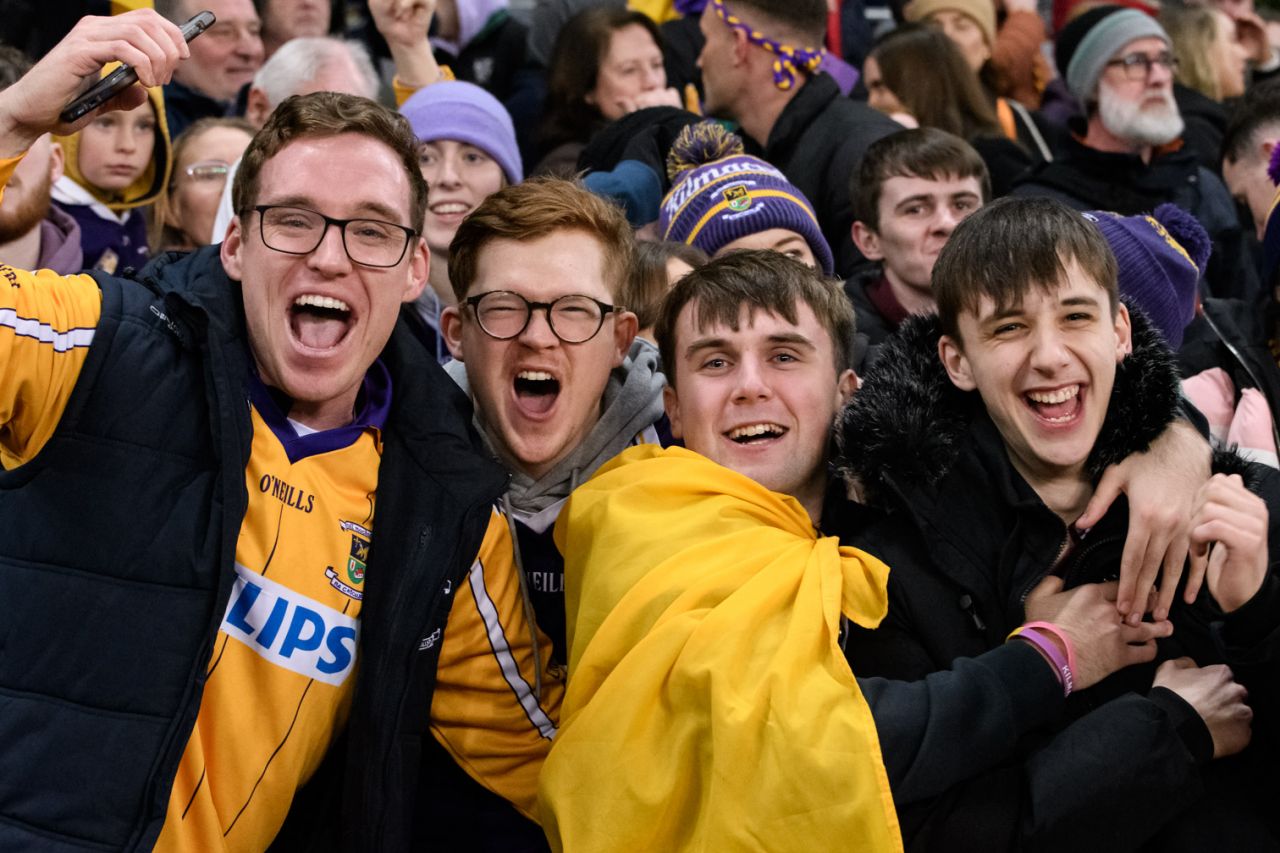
573, 318
299, 231
1137, 66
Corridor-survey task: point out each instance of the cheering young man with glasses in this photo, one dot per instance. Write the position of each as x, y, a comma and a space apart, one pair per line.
1126, 154
238, 499
560, 386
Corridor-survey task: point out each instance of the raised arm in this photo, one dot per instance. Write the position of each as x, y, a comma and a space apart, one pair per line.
404, 24
142, 39
47, 321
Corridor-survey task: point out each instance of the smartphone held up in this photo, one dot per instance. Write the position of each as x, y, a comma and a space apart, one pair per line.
124, 76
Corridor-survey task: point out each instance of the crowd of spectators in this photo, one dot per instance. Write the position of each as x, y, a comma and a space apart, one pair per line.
983, 292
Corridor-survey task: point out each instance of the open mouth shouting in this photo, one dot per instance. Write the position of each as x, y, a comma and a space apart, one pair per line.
756, 434
318, 322
536, 392
1059, 407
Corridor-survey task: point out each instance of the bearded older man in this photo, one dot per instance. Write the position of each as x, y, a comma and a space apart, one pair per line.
1126, 154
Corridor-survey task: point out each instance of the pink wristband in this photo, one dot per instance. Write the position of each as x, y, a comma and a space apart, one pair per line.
1062, 638
1034, 633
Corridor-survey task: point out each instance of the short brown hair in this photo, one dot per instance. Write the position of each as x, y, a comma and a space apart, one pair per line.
536, 208
1012, 245
647, 281
806, 18
922, 152
330, 114
760, 280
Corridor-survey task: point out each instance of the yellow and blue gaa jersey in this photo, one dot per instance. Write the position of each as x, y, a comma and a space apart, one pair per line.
485, 711
281, 677
282, 671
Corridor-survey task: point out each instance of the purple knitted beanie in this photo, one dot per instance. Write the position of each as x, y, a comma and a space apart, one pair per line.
719, 194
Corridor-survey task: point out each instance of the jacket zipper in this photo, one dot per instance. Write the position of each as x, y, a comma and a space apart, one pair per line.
423, 538
1031, 584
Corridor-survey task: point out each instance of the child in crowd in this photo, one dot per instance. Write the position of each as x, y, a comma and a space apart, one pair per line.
202, 158
657, 267
115, 166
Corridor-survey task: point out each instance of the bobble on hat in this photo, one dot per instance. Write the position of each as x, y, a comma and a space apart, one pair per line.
719, 195
1187, 231
701, 143
1160, 258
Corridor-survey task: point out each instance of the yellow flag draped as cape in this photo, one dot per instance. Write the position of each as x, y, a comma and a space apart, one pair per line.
709, 706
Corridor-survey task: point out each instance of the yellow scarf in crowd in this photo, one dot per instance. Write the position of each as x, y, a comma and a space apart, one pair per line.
709, 706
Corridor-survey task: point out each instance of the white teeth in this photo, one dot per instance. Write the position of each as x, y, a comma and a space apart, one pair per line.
448, 207
755, 429
317, 301
535, 375
1060, 396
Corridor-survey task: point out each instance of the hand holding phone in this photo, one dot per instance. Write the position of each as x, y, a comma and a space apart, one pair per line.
124, 76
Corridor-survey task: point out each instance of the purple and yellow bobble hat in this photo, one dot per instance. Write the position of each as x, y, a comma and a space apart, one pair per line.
1160, 258
719, 194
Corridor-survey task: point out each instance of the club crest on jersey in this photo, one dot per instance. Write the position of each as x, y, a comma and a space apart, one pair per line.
737, 197
356, 562
359, 556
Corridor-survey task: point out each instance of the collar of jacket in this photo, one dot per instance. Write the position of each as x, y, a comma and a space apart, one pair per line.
1193, 104
812, 98
906, 425
1169, 165
180, 96
60, 243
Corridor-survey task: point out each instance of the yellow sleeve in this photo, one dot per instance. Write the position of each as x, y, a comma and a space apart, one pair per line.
484, 711
47, 322
403, 91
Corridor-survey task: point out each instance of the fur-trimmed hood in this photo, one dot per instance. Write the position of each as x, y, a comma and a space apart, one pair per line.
907, 422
